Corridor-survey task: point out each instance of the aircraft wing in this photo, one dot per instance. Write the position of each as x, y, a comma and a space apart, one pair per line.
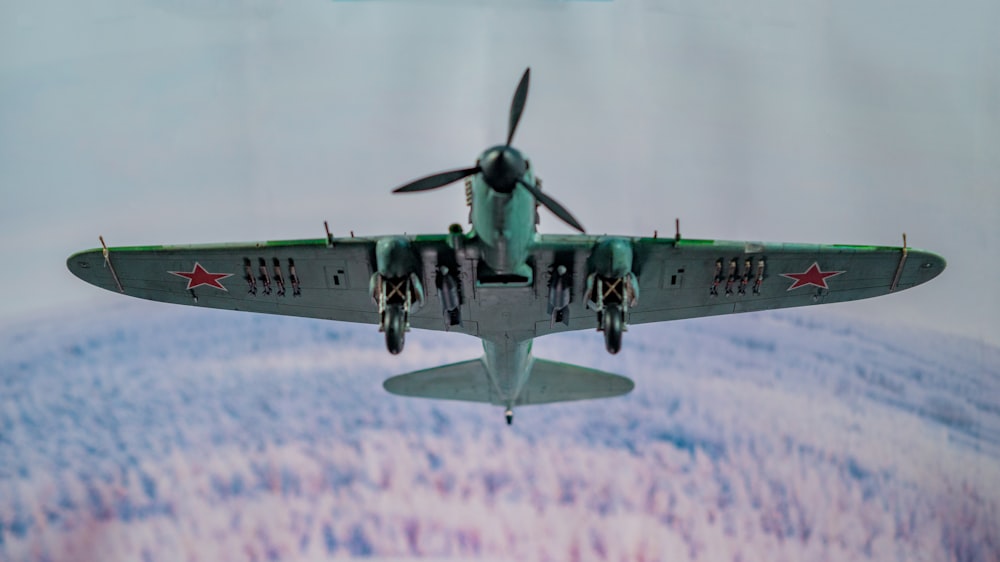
330, 280
693, 278
309, 278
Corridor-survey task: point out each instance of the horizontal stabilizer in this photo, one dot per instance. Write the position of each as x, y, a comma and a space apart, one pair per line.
466, 381
560, 382
549, 382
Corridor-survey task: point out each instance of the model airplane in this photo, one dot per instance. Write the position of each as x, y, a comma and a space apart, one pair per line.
505, 283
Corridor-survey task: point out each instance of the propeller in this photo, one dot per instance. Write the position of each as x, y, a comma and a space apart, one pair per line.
552, 205
437, 180
517, 104
502, 167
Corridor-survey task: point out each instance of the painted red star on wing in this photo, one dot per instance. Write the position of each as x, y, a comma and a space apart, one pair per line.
812, 276
200, 276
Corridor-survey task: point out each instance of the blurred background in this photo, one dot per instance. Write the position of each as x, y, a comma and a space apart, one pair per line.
136, 431
176, 121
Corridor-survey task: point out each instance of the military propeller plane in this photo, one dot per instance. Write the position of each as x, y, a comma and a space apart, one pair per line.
504, 282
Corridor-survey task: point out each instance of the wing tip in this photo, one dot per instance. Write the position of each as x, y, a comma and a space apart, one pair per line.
929, 264
82, 261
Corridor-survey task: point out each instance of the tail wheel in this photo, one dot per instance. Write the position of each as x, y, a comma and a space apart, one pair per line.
395, 328
613, 325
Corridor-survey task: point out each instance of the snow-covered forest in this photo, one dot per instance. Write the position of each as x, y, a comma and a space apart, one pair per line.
153, 433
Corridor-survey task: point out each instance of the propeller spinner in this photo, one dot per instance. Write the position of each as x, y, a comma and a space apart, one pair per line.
502, 166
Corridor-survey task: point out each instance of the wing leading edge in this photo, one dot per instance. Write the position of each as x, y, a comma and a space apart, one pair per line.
309, 278
679, 279
705, 278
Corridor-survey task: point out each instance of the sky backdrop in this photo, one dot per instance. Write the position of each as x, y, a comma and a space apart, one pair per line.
187, 121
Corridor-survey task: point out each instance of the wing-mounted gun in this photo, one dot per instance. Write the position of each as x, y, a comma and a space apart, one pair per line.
395, 288
612, 288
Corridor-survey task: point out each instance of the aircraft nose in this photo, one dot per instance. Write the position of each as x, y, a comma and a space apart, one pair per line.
502, 166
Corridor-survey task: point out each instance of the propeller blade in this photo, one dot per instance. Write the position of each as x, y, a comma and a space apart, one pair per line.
517, 104
552, 205
437, 180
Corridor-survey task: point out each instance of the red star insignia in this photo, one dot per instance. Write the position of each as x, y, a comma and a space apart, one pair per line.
200, 276
813, 276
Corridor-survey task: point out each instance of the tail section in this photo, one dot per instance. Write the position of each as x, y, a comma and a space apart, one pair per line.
466, 381
549, 382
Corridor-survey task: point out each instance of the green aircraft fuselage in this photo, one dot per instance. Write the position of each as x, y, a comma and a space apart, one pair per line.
503, 224
504, 230
504, 227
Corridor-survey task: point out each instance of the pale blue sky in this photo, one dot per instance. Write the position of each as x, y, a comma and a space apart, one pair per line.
232, 120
